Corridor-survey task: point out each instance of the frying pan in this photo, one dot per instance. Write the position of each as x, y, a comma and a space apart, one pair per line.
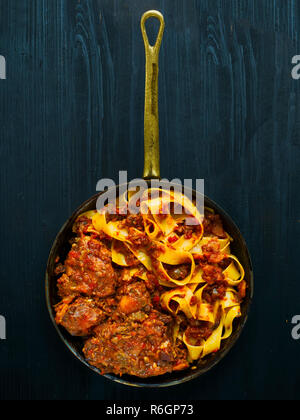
61, 244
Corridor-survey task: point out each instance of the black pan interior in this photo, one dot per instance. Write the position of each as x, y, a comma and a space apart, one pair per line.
61, 248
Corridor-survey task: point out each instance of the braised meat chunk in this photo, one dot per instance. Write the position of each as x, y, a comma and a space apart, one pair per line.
134, 297
88, 270
142, 349
213, 225
80, 316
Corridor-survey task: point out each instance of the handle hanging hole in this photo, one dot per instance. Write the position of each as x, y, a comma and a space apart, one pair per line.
152, 26
158, 16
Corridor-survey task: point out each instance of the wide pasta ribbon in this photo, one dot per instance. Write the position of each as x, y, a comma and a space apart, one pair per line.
224, 245
159, 207
234, 273
118, 257
181, 297
182, 300
234, 312
113, 229
190, 302
172, 257
213, 343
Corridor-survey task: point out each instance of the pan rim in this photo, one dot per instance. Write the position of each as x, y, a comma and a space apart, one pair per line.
190, 375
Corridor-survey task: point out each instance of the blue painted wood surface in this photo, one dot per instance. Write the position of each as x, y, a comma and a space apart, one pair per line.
71, 112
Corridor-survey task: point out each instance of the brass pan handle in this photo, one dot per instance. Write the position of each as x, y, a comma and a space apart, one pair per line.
151, 122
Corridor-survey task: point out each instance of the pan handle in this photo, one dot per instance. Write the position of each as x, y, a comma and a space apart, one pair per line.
151, 122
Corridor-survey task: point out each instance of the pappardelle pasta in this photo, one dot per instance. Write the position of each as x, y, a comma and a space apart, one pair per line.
151, 291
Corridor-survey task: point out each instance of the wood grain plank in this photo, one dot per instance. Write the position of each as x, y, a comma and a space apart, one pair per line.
71, 112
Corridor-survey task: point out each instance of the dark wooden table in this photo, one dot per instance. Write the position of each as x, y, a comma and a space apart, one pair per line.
71, 113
